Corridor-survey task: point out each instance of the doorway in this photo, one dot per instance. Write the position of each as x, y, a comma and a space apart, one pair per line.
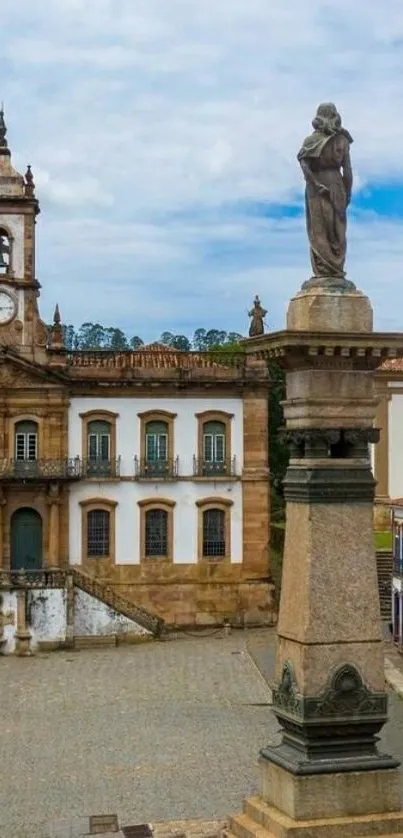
26, 540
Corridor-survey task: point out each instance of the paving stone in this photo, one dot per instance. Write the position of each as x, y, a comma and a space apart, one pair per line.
154, 732
69, 828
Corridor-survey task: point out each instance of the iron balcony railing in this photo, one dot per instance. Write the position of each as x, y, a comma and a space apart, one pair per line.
100, 468
156, 469
41, 469
214, 468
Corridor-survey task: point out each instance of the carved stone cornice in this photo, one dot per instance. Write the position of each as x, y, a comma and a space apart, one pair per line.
340, 443
299, 350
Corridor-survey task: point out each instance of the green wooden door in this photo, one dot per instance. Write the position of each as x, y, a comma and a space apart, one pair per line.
26, 540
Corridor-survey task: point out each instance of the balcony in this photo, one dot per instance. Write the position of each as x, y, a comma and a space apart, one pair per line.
39, 470
213, 469
45, 578
156, 469
101, 469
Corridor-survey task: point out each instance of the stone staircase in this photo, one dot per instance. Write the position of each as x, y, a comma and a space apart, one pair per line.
384, 566
259, 820
108, 595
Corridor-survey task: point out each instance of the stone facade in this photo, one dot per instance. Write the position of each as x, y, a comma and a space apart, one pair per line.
50, 399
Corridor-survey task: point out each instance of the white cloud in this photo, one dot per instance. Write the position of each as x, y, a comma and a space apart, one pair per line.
146, 121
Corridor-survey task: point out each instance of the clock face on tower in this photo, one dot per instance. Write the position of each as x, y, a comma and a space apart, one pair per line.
8, 307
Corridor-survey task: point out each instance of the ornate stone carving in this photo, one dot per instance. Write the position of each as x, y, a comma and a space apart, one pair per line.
41, 333
346, 695
334, 731
11, 335
11, 376
321, 442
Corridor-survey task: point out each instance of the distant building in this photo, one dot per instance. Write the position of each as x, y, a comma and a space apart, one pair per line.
388, 453
139, 478
397, 577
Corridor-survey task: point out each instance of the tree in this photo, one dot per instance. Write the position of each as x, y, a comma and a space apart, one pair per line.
115, 339
68, 336
91, 336
167, 338
135, 342
214, 337
233, 337
199, 340
181, 342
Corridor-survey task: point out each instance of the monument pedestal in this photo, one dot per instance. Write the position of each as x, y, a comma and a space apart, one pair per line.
327, 777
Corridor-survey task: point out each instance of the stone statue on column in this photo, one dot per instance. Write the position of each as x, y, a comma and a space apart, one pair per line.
325, 161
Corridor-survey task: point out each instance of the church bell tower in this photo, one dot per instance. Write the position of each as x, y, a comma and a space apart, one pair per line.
21, 328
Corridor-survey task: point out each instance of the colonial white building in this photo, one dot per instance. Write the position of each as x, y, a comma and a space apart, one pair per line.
138, 479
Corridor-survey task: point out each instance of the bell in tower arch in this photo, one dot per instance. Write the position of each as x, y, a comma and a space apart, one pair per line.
4, 252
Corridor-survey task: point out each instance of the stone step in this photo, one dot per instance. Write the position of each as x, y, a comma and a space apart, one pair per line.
258, 820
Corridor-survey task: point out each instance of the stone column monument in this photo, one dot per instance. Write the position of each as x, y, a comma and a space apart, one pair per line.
327, 778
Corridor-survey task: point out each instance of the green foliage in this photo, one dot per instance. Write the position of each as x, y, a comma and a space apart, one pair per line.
383, 540
135, 342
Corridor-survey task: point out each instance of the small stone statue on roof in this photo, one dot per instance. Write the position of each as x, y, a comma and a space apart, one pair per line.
257, 313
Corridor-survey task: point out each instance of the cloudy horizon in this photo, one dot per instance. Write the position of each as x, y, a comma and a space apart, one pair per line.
163, 140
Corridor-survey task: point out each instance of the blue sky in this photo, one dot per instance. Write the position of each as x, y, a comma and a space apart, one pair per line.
163, 137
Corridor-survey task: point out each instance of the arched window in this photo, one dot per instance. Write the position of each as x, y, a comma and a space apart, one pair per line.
26, 441
156, 534
5, 252
98, 533
156, 529
98, 447
214, 533
214, 455
214, 447
214, 528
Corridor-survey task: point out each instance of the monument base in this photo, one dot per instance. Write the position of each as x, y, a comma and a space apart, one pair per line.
323, 307
321, 806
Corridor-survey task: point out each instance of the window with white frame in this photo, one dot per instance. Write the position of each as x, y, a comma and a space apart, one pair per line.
26, 441
214, 447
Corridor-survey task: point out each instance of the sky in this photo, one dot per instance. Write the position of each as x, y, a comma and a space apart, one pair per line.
163, 137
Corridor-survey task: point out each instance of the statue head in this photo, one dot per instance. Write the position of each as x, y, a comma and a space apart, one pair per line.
327, 119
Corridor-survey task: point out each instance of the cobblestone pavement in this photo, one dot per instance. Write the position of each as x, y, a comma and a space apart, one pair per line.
155, 732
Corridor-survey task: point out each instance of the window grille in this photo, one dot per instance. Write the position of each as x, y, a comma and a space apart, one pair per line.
214, 532
156, 535
98, 533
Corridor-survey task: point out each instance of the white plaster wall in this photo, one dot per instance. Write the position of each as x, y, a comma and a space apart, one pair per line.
395, 452
127, 512
184, 493
92, 617
128, 426
396, 584
47, 611
15, 224
9, 606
